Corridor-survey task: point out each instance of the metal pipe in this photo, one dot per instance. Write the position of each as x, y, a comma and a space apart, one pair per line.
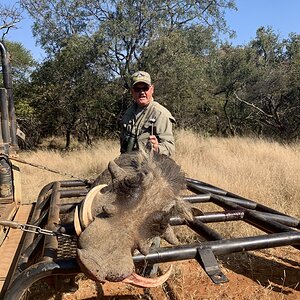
285, 220
215, 191
7, 81
73, 193
199, 186
6, 184
50, 242
197, 198
36, 272
4, 117
72, 183
220, 247
253, 218
204, 231
211, 217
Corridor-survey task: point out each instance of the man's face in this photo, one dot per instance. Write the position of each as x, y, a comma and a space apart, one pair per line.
142, 93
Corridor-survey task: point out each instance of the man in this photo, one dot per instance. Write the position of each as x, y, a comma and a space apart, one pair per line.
146, 123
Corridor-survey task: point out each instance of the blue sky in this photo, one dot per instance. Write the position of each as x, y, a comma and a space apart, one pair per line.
282, 16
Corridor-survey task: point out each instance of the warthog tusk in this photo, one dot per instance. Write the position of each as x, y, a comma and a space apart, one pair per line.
86, 217
77, 225
141, 281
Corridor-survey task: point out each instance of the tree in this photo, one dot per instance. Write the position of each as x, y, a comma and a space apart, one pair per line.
123, 36
9, 17
70, 93
259, 83
21, 60
179, 62
124, 27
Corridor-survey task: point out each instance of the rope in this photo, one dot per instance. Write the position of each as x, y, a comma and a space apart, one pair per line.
42, 167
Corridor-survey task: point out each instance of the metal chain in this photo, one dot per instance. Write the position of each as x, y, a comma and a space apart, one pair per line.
37, 230
31, 228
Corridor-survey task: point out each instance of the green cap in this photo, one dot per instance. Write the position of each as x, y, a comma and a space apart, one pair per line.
140, 76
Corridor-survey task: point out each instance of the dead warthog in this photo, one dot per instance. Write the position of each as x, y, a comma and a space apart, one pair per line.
135, 207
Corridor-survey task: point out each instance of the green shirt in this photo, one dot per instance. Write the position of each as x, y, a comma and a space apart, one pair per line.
140, 123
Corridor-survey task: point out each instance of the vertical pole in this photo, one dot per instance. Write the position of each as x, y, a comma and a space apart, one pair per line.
7, 81
4, 118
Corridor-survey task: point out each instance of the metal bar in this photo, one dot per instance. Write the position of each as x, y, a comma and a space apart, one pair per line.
199, 186
197, 198
38, 221
36, 272
28, 252
42, 200
209, 263
50, 242
73, 193
211, 217
220, 247
7, 81
285, 220
4, 117
203, 230
263, 210
253, 217
72, 183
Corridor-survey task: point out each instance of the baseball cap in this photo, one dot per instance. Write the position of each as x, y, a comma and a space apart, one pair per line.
140, 76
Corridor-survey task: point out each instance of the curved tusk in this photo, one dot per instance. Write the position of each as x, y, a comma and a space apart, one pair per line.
86, 208
141, 281
77, 225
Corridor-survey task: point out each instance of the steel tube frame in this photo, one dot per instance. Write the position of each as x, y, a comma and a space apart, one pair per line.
7, 81
38, 271
204, 187
220, 247
4, 117
211, 217
268, 220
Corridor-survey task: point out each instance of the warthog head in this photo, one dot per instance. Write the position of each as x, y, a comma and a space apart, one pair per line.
135, 207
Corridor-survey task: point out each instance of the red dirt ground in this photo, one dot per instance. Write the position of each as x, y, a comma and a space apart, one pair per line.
265, 274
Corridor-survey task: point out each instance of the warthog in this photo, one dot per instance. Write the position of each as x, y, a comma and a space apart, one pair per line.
141, 196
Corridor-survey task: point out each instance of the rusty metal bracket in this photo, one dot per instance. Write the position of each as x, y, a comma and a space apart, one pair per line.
209, 263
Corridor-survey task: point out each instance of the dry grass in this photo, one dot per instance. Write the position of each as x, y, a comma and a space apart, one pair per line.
84, 163
264, 171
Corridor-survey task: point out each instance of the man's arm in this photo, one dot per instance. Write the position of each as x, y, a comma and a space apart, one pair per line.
164, 134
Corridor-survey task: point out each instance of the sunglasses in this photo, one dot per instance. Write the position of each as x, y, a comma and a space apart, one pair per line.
141, 89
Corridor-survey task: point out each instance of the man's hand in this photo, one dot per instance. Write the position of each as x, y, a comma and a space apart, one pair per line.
154, 142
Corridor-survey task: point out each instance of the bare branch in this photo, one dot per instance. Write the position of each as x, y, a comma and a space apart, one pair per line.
9, 17
253, 106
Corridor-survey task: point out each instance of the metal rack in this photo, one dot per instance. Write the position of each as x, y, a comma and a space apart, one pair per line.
44, 256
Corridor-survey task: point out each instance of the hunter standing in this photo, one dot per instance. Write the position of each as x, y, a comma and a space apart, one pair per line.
146, 122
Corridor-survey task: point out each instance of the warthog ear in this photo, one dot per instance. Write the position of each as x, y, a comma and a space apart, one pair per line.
116, 171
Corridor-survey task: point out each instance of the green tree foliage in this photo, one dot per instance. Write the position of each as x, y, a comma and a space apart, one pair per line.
67, 89
120, 37
179, 62
259, 86
123, 27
